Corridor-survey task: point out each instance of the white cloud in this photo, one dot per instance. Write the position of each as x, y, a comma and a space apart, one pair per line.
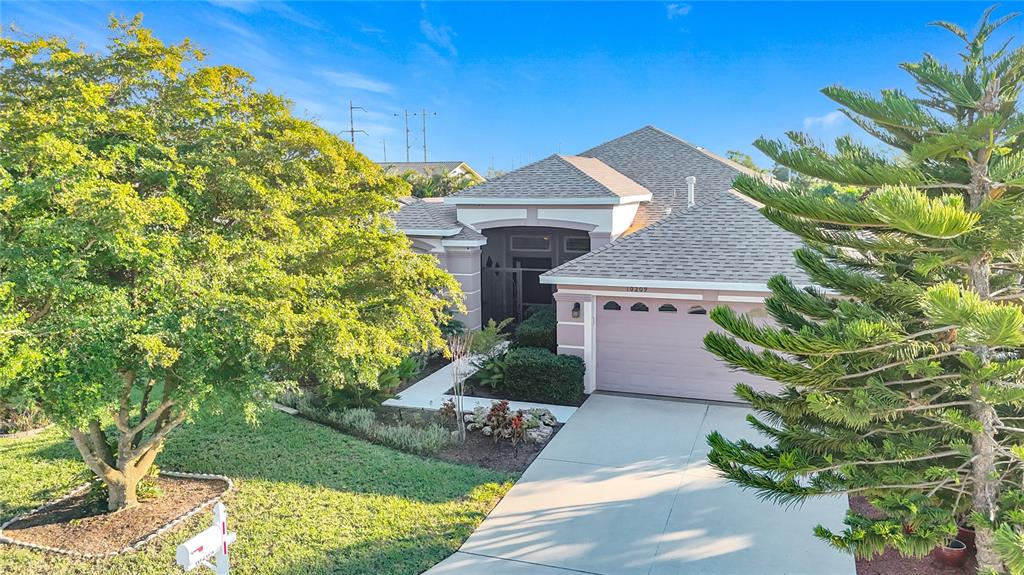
440, 36
357, 81
674, 11
826, 122
243, 6
277, 7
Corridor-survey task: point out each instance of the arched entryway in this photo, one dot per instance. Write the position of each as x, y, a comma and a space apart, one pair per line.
514, 258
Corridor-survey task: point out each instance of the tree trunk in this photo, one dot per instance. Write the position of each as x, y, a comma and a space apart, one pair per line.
123, 493
985, 475
986, 488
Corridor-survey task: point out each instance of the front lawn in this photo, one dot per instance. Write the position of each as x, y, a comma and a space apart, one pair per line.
307, 500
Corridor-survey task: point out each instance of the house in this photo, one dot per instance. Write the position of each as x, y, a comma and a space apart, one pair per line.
634, 240
454, 169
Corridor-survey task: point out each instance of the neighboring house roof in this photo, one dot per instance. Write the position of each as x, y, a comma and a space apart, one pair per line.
722, 243
427, 218
661, 162
556, 179
431, 168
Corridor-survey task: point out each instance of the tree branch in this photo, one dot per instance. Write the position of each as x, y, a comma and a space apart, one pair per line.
897, 364
100, 444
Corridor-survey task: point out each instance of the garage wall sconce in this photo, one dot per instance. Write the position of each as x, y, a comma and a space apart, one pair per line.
576, 310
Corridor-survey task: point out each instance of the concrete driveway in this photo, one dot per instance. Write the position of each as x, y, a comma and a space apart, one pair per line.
624, 488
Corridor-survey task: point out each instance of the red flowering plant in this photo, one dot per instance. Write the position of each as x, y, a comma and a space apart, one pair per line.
517, 427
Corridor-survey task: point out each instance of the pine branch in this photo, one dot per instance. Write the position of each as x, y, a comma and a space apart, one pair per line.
898, 364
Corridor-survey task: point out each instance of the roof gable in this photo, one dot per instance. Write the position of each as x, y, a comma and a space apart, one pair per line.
557, 178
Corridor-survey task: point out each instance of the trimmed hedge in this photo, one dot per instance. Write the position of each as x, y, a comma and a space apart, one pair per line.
540, 329
536, 374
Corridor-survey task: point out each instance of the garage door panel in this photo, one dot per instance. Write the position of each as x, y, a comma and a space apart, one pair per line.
662, 353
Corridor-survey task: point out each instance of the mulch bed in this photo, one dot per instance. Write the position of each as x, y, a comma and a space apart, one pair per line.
892, 563
482, 451
80, 524
478, 449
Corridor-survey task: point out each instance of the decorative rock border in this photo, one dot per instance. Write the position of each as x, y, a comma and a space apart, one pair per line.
26, 433
134, 546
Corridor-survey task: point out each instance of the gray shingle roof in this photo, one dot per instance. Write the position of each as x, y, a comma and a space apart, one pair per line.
557, 177
416, 214
468, 233
724, 239
661, 163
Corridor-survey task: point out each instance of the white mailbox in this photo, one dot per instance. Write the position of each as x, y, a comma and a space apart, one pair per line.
211, 543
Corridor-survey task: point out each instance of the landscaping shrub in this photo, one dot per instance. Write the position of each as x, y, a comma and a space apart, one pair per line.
356, 395
536, 374
361, 422
492, 372
17, 418
540, 329
425, 440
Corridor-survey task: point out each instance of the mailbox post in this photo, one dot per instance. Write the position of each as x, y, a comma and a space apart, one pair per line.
212, 542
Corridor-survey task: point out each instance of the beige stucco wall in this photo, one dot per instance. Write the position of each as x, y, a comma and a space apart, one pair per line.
464, 264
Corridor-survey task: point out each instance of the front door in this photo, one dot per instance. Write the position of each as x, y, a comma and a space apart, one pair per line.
533, 292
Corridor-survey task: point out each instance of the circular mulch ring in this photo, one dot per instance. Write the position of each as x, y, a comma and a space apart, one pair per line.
73, 525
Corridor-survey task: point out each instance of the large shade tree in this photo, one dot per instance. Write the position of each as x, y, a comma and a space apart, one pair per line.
902, 370
170, 237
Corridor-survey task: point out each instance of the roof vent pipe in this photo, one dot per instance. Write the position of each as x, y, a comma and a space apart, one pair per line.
691, 183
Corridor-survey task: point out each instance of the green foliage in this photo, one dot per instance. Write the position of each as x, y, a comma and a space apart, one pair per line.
487, 347
742, 159
486, 341
540, 329
372, 395
902, 374
536, 374
362, 422
492, 372
451, 327
338, 504
171, 236
436, 185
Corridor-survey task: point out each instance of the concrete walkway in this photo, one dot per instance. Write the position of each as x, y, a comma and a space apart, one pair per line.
429, 393
624, 488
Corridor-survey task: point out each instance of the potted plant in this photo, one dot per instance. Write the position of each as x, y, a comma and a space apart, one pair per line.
964, 531
953, 553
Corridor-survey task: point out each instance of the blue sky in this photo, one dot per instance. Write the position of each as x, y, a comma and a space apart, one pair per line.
514, 82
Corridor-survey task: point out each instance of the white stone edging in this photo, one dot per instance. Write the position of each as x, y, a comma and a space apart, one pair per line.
130, 548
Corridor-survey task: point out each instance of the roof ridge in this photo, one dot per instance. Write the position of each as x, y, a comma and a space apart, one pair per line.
732, 164
611, 192
641, 232
590, 149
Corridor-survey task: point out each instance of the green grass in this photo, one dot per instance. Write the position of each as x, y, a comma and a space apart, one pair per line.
307, 500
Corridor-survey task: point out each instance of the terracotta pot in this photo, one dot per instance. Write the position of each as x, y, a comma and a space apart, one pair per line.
966, 534
953, 554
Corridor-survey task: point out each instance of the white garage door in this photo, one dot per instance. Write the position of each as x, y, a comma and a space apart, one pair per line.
655, 346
